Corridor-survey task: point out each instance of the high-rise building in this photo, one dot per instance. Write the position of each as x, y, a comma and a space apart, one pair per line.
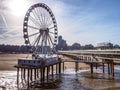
62, 45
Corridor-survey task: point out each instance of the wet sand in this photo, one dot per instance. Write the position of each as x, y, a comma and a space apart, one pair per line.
7, 61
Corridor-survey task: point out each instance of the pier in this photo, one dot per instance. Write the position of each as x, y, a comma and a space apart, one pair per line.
94, 58
34, 72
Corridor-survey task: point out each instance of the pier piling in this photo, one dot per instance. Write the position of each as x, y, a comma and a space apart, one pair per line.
91, 67
103, 67
76, 66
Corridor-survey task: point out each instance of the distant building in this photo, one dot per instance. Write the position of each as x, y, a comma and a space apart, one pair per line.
105, 45
88, 47
75, 46
116, 46
62, 45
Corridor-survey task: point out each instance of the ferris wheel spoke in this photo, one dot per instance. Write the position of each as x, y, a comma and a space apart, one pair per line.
33, 27
50, 23
50, 44
45, 44
33, 21
52, 32
39, 16
42, 17
51, 28
37, 13
34, 14
50, 39
45, 19
37, 42
43, 36
33, 34
33, 44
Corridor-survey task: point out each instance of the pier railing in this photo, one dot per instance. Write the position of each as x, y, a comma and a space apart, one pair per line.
95, 55
103, 58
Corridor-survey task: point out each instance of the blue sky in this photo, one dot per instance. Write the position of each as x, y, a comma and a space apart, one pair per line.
82, 21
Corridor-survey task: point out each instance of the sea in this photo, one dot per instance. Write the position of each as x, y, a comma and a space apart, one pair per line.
69, 80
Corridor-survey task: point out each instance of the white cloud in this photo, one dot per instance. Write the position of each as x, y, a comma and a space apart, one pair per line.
82, 24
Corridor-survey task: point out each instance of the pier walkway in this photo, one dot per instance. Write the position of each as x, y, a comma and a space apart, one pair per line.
109, 58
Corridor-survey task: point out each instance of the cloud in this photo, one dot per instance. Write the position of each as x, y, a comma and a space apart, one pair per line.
87, 25
83, 22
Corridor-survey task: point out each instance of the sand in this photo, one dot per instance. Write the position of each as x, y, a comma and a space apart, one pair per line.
8, 61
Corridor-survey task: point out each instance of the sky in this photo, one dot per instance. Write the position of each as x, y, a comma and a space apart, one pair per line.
81, 21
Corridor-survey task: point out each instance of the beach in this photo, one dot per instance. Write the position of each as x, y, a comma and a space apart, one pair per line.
8, 61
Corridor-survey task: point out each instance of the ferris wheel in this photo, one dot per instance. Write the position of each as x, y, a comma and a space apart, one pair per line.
40, 29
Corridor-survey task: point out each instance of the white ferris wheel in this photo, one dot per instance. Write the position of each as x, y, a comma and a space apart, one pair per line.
40, 30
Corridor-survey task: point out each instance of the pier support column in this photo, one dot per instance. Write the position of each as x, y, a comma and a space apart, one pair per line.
91, 67
63, 67
24, 74
108, 68
28, 77
31, 74
52, 70
21, 73
103, 67
17, 77
35, 73
76, 66
43, 74
59, 67
47, 73
56, 68
112, 68
96, 65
